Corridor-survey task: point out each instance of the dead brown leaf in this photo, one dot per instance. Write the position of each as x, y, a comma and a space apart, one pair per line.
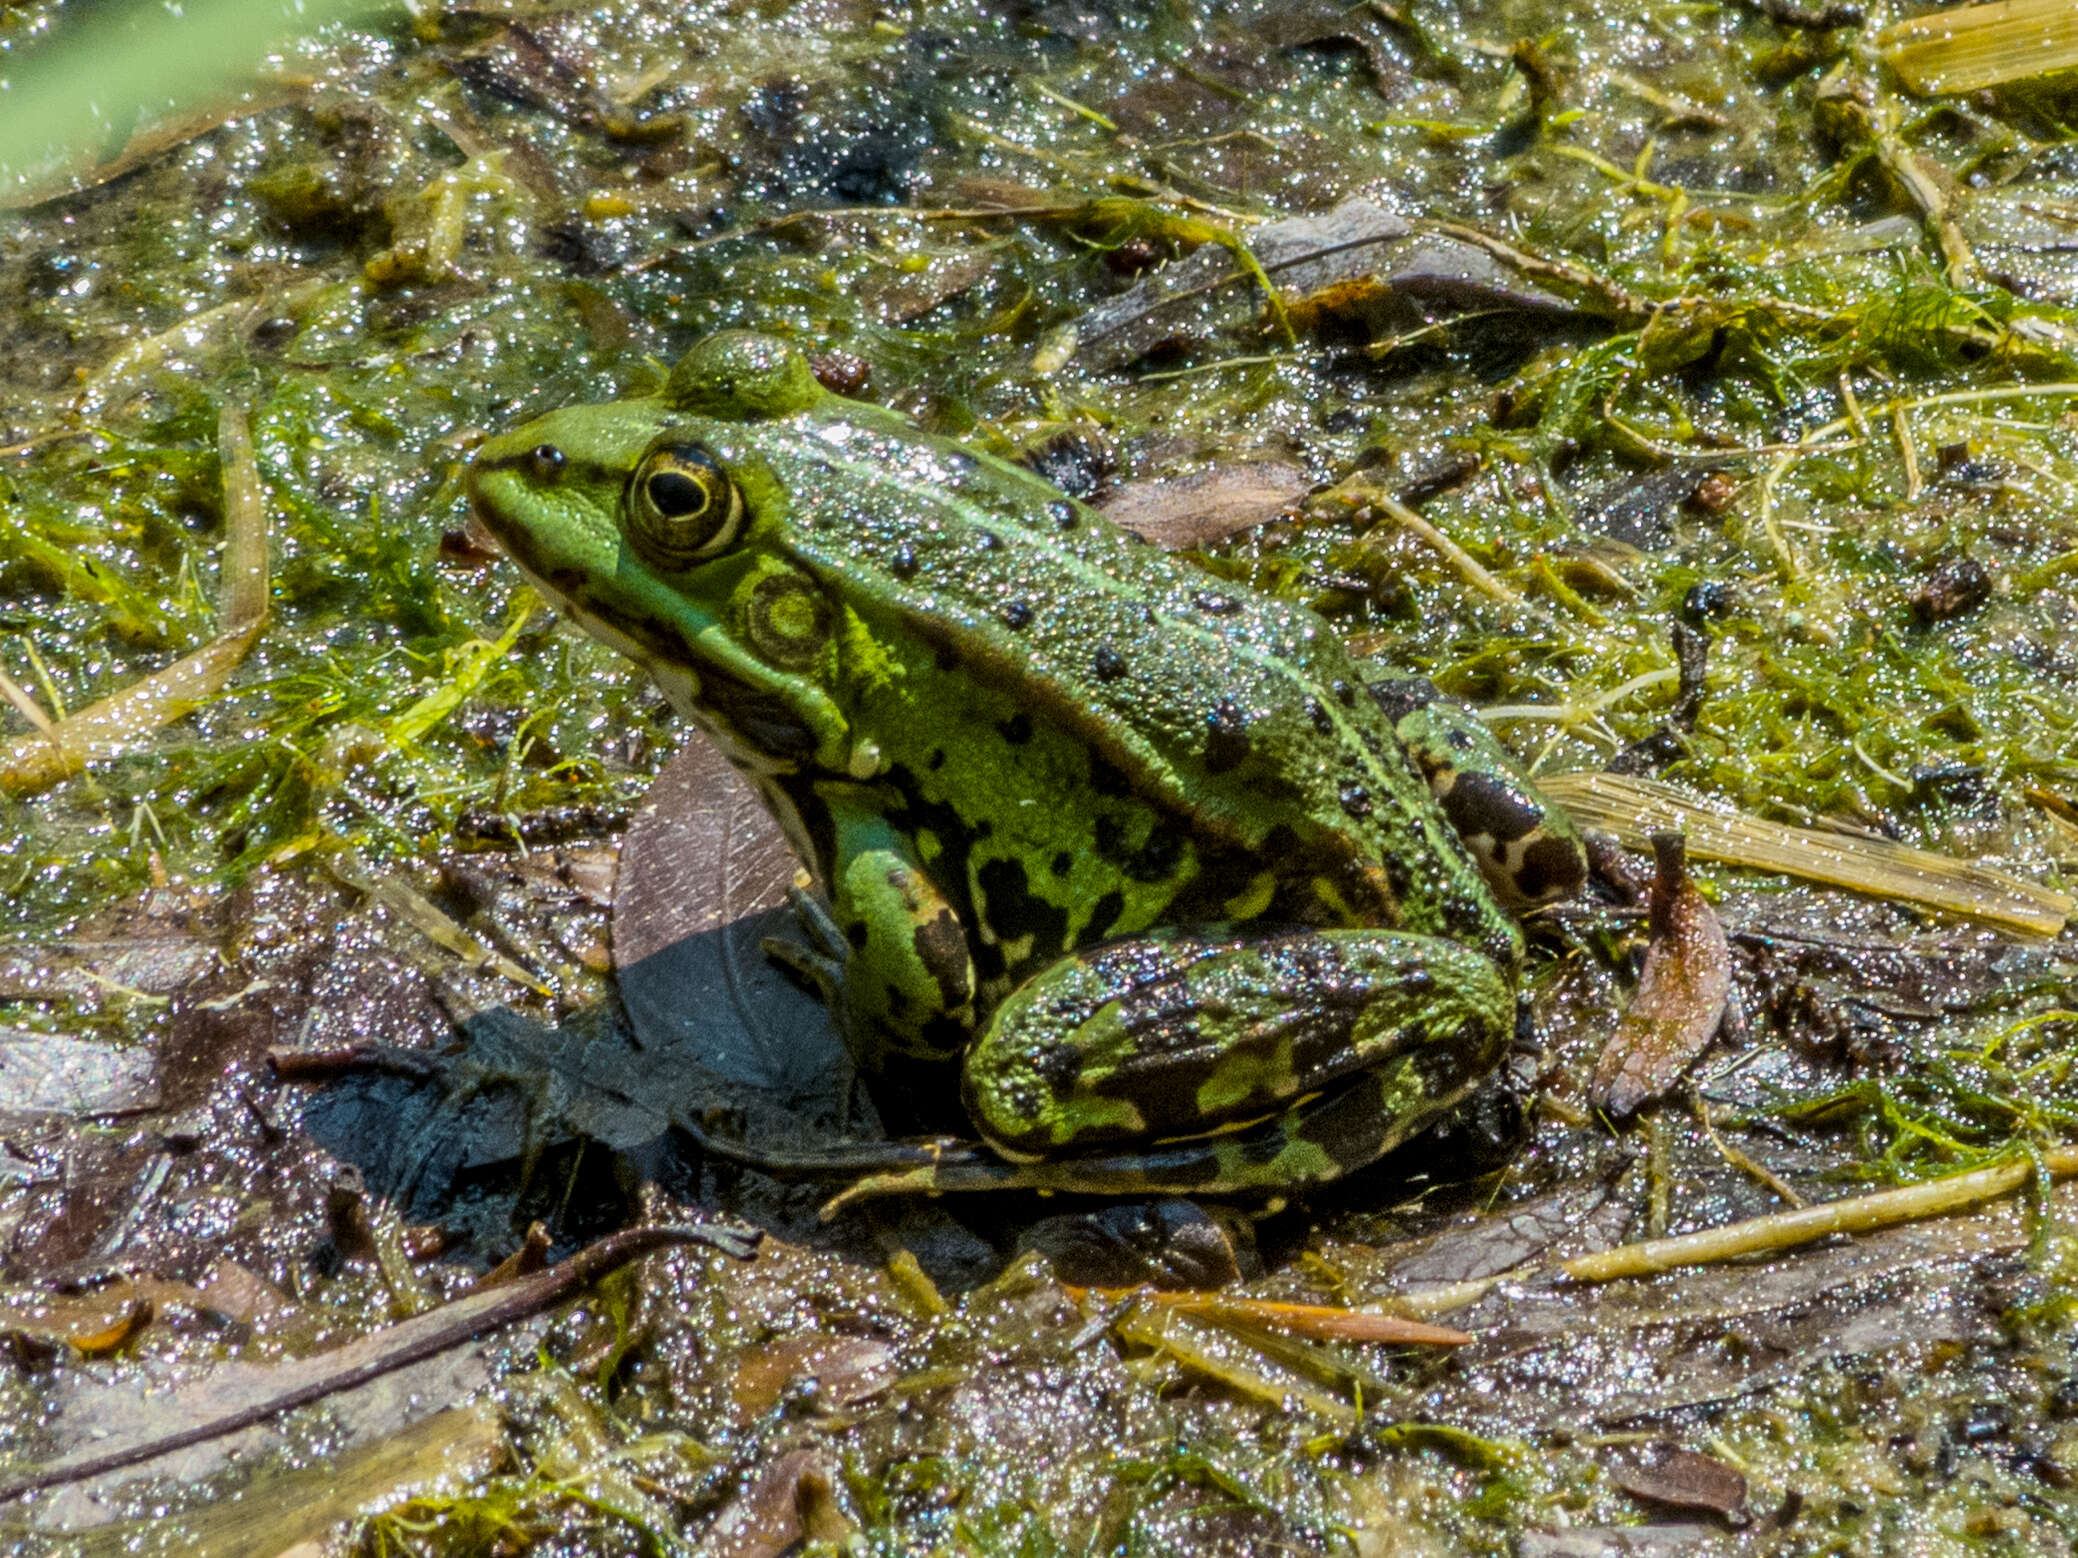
1206, 506
702, 887
901, 296
95, 1322
702, 852
845, 1369
1357, 260
1681, 994
1681, 1478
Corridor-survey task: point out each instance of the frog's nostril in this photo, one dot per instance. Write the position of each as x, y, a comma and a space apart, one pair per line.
545, 462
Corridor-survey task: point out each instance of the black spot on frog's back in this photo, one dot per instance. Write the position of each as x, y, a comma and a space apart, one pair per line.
1401, 696
1103, 915
1152, 858
1013, 912
1058, 1064
1108, 779
1551, 868
1226, 737
941, 946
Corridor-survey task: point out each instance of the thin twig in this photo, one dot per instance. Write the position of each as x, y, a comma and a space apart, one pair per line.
385, 1351
1750, 1166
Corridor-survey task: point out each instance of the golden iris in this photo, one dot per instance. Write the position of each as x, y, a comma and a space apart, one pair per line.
682, 507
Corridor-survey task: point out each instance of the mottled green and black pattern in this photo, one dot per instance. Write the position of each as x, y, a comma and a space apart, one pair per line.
1002, 732
1164, 1037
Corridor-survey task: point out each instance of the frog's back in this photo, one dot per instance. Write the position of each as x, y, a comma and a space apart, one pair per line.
1239, 716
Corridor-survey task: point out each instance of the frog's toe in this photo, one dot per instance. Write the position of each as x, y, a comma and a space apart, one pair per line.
834, 1160
1323, 1139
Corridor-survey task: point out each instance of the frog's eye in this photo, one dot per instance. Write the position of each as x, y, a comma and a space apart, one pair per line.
682, 507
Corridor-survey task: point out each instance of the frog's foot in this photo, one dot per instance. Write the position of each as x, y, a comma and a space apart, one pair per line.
820, 960
1321, 1140
838, 1160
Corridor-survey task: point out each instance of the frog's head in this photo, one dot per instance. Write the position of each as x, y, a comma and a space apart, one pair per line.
658, 523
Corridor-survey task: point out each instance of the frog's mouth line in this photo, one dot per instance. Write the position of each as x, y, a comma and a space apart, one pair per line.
681, 686
720, 705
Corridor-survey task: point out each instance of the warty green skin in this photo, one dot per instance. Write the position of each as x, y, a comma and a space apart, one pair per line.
1002, 732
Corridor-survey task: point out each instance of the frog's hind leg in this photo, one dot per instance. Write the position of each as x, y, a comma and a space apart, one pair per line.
1207, 1061
1527, 848
1343, 1130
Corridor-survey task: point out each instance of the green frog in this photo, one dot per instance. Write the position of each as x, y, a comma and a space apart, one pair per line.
1135, 859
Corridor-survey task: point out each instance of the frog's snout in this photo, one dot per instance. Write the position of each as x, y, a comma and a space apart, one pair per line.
509, 500
472, 487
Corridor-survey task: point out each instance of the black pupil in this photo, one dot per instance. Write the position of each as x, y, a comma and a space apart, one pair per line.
676, 495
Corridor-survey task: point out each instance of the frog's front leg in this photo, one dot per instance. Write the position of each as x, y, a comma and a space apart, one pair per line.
1211, 1062
908, 990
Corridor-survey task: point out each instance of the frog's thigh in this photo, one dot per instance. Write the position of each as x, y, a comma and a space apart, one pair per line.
909, 983
1189, 1034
